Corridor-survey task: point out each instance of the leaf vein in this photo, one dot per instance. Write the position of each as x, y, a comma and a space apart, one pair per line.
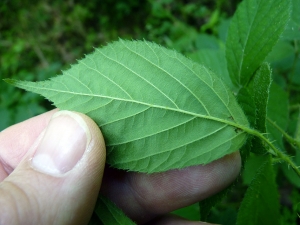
147, 81
170, 75
149, 135
126, 117
76, 79
186, 144
97, 71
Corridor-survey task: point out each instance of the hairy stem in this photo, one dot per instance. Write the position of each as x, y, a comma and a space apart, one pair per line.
281, 155
291, 140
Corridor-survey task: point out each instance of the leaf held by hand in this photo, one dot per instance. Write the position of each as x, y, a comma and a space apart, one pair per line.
157, 109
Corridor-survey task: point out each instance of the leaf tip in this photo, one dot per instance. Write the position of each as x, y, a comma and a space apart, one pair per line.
10, 81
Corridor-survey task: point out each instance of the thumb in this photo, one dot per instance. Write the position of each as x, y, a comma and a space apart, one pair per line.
58, 180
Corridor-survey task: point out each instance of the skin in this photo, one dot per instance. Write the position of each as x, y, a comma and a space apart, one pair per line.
29, 196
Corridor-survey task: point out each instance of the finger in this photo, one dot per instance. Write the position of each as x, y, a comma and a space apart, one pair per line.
157, 194
58, 178
16, 140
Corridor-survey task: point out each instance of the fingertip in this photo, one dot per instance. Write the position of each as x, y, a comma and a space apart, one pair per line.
68, 196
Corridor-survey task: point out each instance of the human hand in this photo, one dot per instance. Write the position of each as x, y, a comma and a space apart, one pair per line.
54, 176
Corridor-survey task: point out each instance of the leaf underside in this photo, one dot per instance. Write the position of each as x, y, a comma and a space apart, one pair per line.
156, 109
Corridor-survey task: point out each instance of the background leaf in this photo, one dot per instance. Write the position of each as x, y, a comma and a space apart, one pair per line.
252, 165
214, 60
282, 59
297, 131
157, 109
110, 214
210, 52
254, 30
277, 113
246, 101
261, 204
190, 212
207, 204
292, 31
260, 88
290, 174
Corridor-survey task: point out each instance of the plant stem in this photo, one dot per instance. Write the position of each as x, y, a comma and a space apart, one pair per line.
277, 152
291, 140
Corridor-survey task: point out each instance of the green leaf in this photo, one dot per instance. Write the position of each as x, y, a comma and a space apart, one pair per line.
110, 214
261, 203
254, 30
281, 51
246, 101
282, 60
214, 60
294, 75
157, 109
223, 29
253, 163
292, 30
260, 87
205, 41
290, 173
297, 132
277, 113
207, 204
190, 212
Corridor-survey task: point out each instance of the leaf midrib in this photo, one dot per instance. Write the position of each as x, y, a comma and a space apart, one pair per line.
231, 123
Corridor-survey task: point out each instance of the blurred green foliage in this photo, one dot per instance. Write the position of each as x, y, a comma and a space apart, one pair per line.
40, 38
